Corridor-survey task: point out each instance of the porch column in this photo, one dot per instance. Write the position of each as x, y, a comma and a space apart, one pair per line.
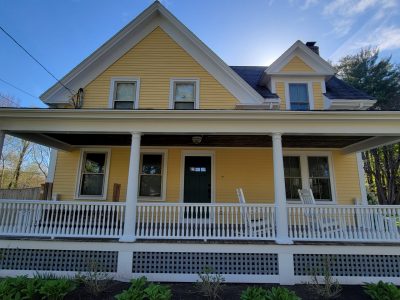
361, 177
2, 137
282, 236
132, 190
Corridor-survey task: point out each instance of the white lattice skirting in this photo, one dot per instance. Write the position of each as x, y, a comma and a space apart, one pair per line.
285, 264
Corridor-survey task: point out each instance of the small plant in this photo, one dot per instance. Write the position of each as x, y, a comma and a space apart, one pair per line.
31, 289
328, 288
280, 293
158, 292
275, 293
136, 291
56, 289
382, 291
11, 288
95, 280
254, 293
210, 284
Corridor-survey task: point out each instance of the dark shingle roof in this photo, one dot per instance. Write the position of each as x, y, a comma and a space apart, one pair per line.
252, 76
338, 89
335, 88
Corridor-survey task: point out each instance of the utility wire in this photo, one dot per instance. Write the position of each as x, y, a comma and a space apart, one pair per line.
19, 89
27, 52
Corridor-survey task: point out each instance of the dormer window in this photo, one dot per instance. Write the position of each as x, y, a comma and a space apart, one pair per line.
124, 93
298, 96
184, 94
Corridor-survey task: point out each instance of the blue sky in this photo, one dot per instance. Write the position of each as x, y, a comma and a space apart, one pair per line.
61, 34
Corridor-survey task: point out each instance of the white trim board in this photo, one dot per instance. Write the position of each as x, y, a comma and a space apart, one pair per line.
156, 15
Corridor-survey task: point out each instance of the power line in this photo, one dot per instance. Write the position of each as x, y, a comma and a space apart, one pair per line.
27, 52
17, 88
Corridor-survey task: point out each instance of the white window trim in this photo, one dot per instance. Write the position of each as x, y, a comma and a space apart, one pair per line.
164, 175
197, 91
309, 89
124, 79
185, 153
79, 177
305, 172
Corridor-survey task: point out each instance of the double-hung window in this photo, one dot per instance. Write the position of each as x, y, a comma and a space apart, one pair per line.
293, 178
93, 174
298, 96
308, 171
184, 94
124, 93
151, 181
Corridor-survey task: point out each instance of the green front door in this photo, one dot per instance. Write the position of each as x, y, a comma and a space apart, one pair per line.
197, 188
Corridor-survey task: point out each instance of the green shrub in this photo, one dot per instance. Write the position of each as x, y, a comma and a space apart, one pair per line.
254, 293
280, 293
158, 292
140, 289
275, 293
32, 289
56, 289
135, 291
382, 291
12, 287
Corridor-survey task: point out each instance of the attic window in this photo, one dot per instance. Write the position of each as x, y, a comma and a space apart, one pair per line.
299, 98
184, 94
124, 93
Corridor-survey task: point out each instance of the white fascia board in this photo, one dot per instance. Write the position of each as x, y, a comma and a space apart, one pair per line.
268, 104
356, 104
133, 33
321, 66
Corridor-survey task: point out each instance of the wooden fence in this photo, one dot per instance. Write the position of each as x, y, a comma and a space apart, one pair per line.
21, 194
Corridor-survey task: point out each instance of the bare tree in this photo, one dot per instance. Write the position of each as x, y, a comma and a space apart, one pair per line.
22, 154
41, 158
22, 163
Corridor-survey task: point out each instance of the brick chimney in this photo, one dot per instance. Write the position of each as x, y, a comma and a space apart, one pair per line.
313, 47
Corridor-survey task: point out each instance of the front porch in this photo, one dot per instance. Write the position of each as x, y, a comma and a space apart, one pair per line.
267, 239
270, 167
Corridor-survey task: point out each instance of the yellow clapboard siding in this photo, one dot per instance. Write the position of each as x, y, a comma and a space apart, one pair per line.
156, 60
248, 168
296, 64
318, 99
280, 91
346, 175
65, 174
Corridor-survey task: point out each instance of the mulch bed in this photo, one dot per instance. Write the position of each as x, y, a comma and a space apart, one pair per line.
183, 291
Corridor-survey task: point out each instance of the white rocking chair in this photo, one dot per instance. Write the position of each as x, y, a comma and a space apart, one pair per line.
318, 223
253, 225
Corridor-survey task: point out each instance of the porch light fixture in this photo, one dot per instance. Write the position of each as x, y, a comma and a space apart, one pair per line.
196, 139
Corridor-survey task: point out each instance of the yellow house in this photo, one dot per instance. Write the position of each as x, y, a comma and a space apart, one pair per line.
155, 138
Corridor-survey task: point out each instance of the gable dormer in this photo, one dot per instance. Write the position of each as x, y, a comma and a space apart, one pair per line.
298, 77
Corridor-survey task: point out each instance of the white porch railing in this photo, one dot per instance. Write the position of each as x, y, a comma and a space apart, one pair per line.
344, 223
231, 221
205, 221
61, 218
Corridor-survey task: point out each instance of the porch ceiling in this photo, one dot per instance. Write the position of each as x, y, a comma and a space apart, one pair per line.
288, 141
